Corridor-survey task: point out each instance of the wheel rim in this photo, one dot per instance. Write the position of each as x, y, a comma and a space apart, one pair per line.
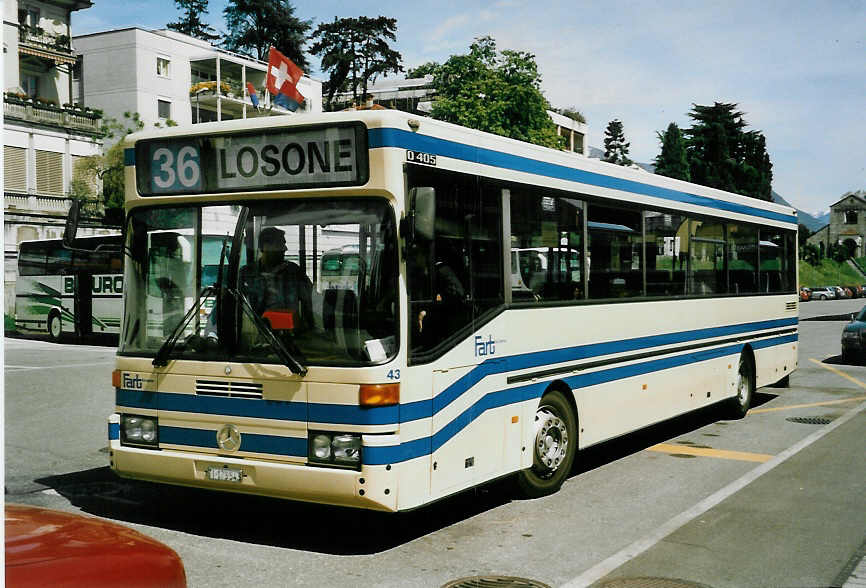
743, 385
551, 441
55, 327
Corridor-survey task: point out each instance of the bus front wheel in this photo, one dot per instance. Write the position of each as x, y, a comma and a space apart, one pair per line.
55, 326
554, 447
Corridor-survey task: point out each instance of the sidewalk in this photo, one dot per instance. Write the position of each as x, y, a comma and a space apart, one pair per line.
801, 524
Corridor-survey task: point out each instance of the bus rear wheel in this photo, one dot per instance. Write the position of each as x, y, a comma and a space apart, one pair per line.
55, 326
554, 447
739, 405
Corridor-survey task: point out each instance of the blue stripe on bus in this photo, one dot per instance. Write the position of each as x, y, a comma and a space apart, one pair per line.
421, 447
129, 156
355, 415
543, 358
241, 407
390, 137
252, 442
113, 431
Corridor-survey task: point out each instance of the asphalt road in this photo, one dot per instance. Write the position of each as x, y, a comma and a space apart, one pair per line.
762, 501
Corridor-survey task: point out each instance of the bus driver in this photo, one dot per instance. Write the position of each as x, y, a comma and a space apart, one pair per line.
273, 283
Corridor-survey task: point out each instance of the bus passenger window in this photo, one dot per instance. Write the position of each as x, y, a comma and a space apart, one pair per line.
616, 252
742, 258
546, 246
707, 258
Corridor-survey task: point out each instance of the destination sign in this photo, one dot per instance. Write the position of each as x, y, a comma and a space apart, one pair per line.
268, 160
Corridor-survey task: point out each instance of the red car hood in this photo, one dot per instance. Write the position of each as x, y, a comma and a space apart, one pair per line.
53, 548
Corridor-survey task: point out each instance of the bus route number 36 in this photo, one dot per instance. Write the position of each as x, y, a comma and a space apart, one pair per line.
176, 168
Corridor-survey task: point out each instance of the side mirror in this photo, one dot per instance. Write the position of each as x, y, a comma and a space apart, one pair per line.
71, 228
423, 213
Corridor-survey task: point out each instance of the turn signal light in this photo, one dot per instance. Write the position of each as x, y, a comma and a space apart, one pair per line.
115, 379
379, 394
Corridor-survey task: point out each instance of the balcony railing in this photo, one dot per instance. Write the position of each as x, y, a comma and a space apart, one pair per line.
37, 36
33, 111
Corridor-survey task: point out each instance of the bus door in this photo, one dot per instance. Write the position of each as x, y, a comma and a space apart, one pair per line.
83, 304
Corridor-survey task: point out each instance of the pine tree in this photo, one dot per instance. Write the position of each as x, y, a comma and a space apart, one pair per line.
615, 146
356, 51
191, 22
722, 155
256, 25
672, 161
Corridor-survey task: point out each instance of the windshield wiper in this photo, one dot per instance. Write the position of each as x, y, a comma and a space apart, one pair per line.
284, 354
161, 357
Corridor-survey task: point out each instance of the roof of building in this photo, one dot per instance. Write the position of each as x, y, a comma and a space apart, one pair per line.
859, 195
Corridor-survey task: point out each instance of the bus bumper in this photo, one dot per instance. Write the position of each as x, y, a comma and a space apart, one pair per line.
371, 488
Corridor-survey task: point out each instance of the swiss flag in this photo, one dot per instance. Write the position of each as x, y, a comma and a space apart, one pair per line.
282, 78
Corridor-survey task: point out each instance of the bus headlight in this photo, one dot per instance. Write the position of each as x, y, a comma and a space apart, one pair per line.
321, 447
335, 449
347, 449
139, 430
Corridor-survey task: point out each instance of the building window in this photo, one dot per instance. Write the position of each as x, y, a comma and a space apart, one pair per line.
163, 108
850, 217
162, 67
30, 84
15, 169
49, 173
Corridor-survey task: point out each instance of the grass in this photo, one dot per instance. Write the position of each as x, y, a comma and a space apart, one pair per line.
829, 273
8, 323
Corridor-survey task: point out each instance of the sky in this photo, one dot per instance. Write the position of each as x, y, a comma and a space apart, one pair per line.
796, 68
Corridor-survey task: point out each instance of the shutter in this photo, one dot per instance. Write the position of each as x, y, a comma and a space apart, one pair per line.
14, 169
49, 173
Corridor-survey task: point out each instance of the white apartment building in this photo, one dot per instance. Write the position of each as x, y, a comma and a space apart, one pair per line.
165, 75
44, 134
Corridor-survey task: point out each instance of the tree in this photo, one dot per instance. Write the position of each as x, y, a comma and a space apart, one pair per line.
572, 113
615, 146
356, 52
107, 168
425, 69
673, 160
497, 92
191, 22
722, 155
256, 25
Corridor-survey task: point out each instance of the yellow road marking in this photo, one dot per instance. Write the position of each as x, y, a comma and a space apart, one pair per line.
838, 373
793, 406
706, 452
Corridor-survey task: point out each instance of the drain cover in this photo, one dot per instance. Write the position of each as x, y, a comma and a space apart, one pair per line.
650, 583
811, 420
495, 582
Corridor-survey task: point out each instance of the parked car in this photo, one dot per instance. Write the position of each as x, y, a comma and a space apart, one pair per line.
805, 294
823, 293
854, 338
54, 548
840, 292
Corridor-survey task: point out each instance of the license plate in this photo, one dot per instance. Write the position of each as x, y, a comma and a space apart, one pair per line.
224, 475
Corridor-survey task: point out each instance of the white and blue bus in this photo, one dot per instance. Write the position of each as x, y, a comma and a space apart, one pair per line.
69, 292
440, 359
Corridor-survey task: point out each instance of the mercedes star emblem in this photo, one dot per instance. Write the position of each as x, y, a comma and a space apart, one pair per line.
229, 438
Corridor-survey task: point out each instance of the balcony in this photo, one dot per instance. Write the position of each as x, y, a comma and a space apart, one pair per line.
18, 108
39, 43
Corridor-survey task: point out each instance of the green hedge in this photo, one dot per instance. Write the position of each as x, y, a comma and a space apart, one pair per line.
829, 273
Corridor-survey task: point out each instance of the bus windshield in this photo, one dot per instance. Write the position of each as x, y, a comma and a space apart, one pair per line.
274, 280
